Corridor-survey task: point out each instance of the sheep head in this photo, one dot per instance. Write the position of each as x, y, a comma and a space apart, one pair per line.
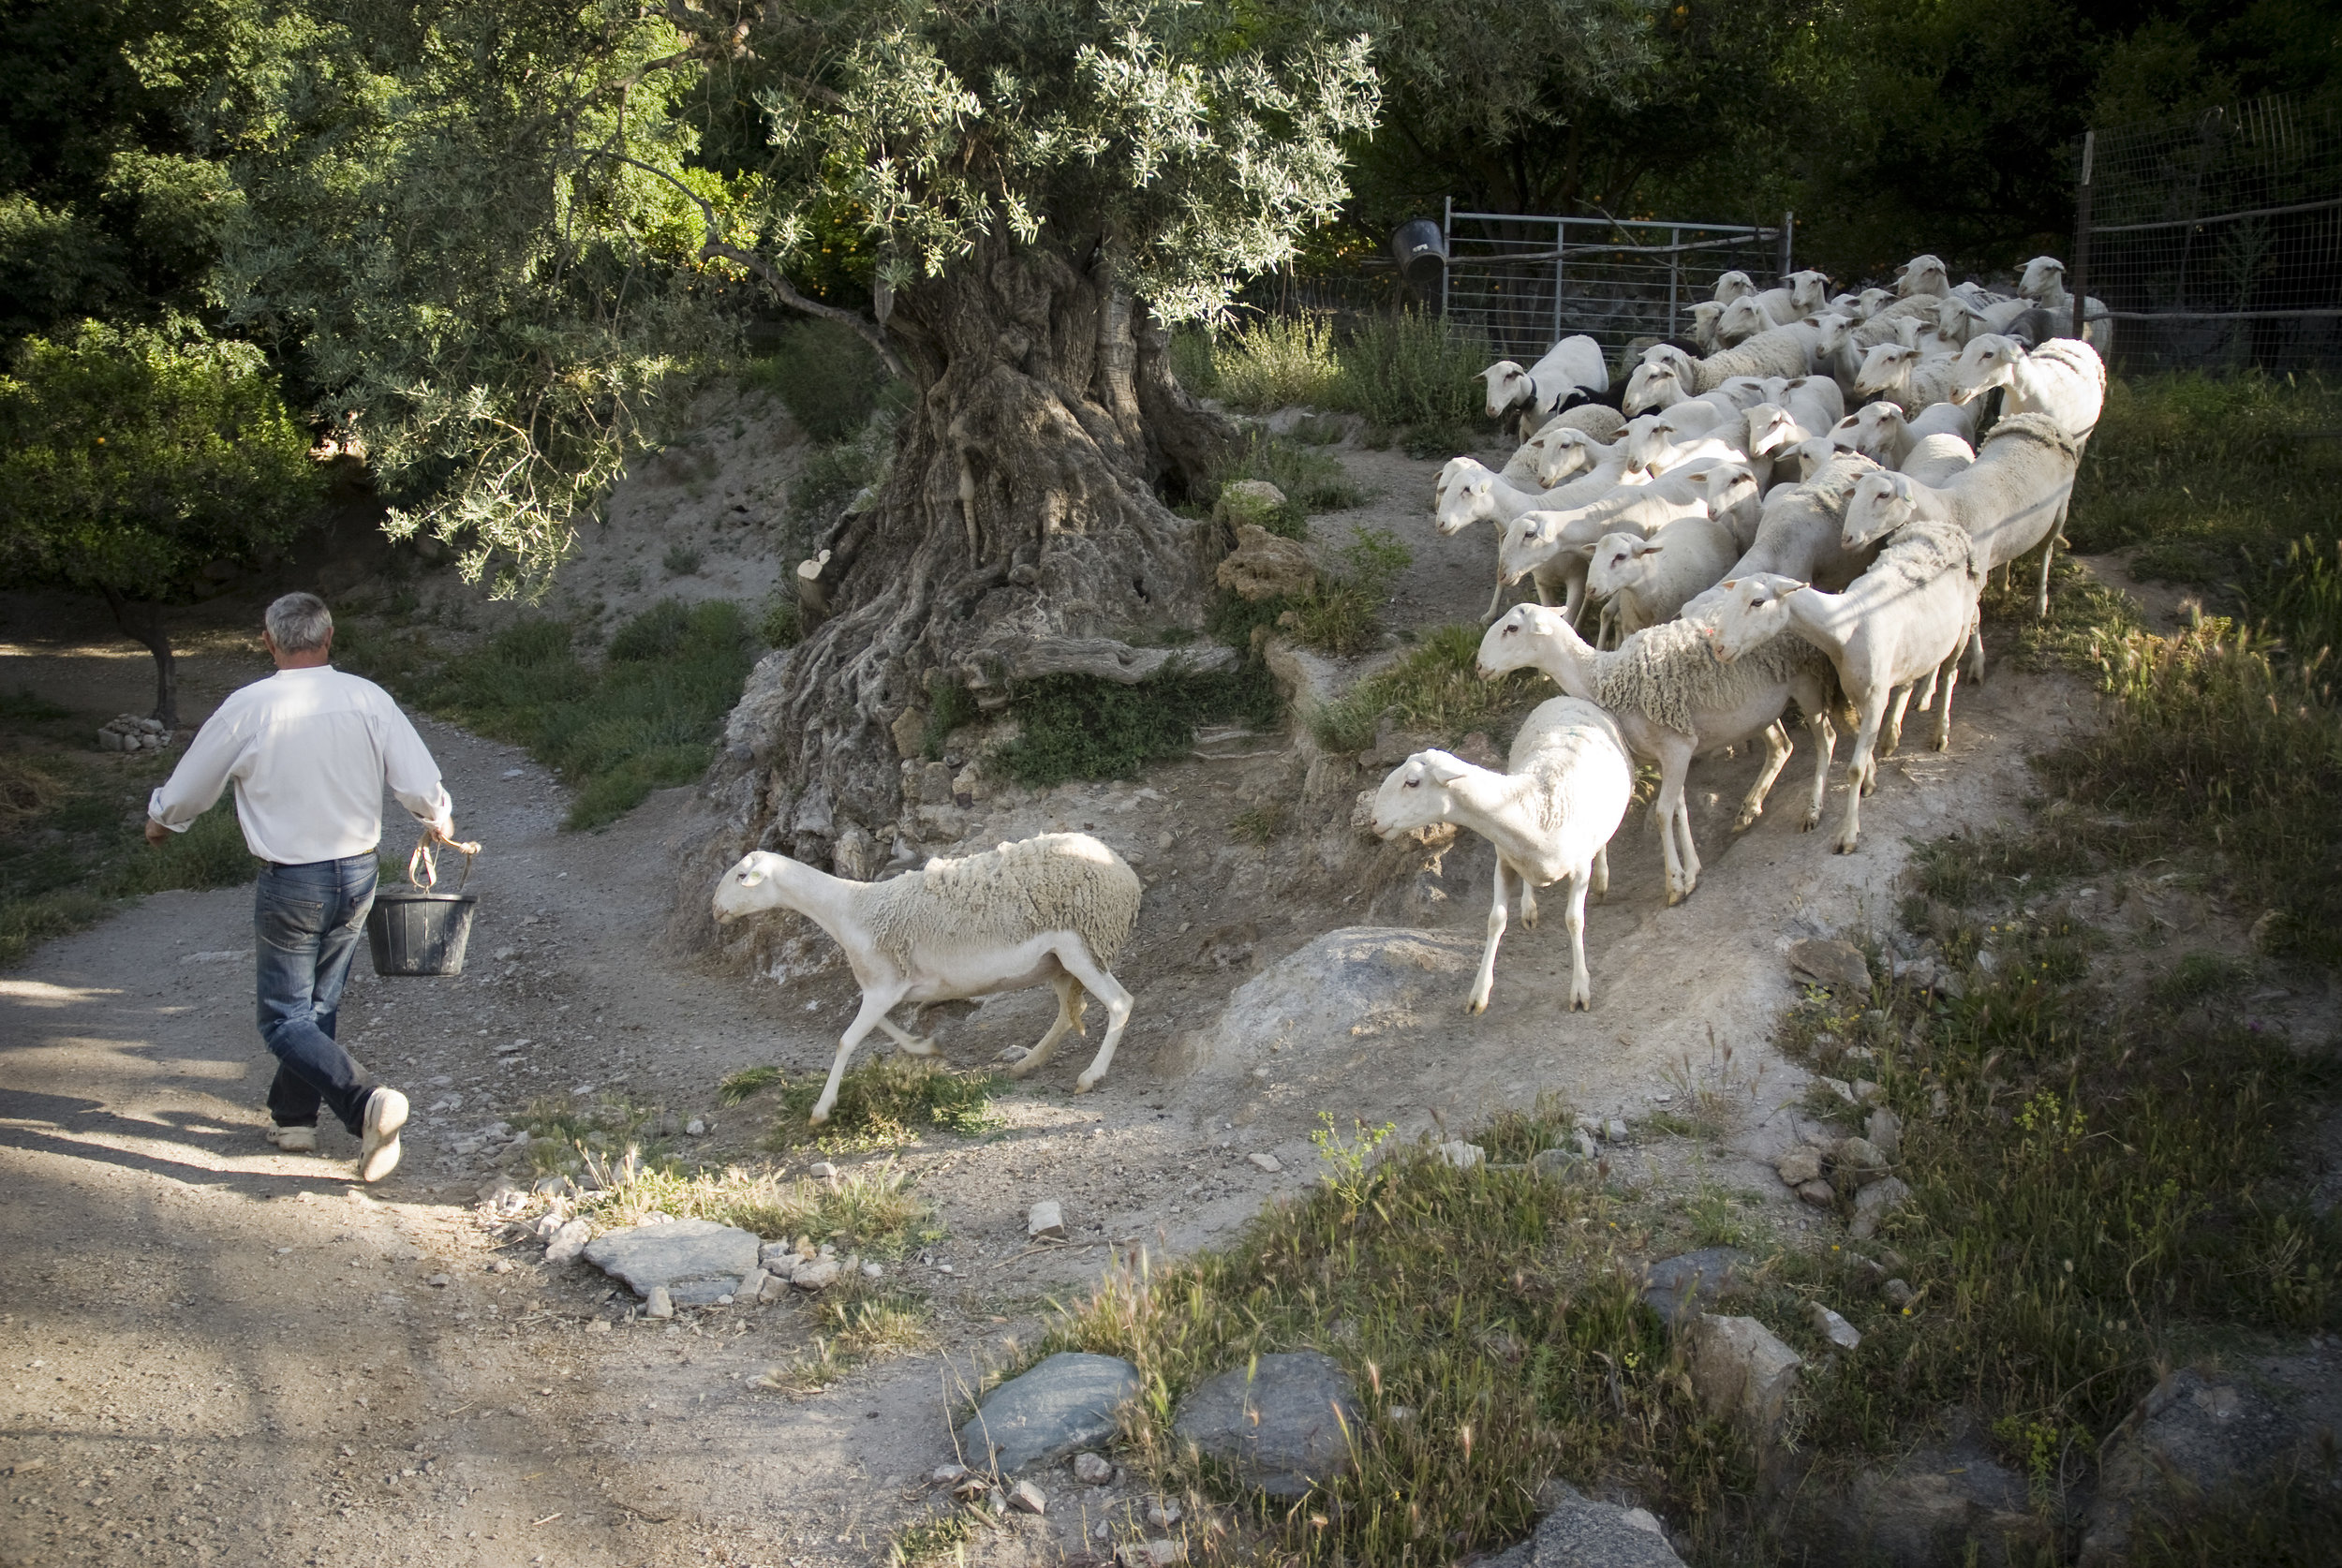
1754, 611
1646, 440
1809, 291
1464, 494
1418, 792
1617, 563
1831, 330
1527, 543
1886, 368
1507, 384
1770, 427
1870, 430
1513, 641
1923, 275
1743, 319
1955, 320
1987, 362
1734, 285
1562, 450
2044, 279
1704, 318
1652, 385
1728, 488
1880, 504
751, 886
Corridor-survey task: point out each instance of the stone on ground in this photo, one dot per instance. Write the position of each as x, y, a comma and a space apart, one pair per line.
1834, 966
1278, 1423
1876, 1204
1065, 1403
1092, 1470
1313, 1010
1027, 1498
1832, 1327
1268, 1163
1799, 1166
1045, 1222
696, 1260
1262, 566
567, 1241
1936, 1506
1682, 1287
1580, 1532
1741, 1371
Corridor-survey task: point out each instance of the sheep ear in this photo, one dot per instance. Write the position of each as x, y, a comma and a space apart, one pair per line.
753, 876
1729, 584
1439, 768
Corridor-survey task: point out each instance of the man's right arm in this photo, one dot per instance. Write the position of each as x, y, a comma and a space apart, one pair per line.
195, 785
407, 768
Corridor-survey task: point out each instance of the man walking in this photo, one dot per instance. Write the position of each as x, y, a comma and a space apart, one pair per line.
309, 750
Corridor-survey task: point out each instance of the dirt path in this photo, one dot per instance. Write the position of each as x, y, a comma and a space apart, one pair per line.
214, 1353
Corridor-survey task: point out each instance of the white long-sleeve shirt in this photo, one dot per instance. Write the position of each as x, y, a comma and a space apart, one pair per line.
308, 751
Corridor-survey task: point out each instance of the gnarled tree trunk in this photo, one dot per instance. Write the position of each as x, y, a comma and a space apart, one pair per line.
1022, 506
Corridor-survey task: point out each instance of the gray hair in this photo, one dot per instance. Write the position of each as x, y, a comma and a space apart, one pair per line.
299, 623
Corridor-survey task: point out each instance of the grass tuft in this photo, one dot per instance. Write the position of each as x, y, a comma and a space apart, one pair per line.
885, 1103
1433, 689
1085, 727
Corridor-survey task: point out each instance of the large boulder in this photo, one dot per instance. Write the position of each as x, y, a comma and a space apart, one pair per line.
696, 1260
1742, 1372
1256, 503
1263, 566
1278, 1423
1682, 1287
1065, 1403
1943, 1505
1342, 991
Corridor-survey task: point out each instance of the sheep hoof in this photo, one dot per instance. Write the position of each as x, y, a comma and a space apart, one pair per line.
1747, 820
1476, 1005
1529, 918
1084, 1083
1844, 846
1581, 1002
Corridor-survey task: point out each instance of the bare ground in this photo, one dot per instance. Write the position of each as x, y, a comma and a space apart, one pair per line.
214, 1353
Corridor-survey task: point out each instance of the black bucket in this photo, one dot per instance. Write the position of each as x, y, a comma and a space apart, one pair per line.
414, 930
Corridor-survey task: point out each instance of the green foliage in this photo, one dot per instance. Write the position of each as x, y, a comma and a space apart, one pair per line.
132, 457
1435, 688
885, 1103
72, 842
1311, 481
780, 625
827, 376
746, 1084
1085, 727
1192, 362
646, 719
1412, 369
833, 476
950, 706
681, 560
1272, 361
1341, 615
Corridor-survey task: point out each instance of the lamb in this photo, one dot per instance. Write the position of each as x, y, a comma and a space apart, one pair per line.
1572, 364
1647, 580
1550, 816
1908, 617
1672, 699
2011, 499
1733, 286
2063, 378
1056, 910
1905, 378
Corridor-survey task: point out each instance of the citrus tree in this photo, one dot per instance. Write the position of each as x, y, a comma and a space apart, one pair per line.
131, 458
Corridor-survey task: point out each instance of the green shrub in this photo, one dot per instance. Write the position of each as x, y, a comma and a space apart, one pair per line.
1434, 688
1311, 481
781, 625
1412, 369
825, 375
950, 706
681, 560
1272, 361
885, 1102
833, 476
1191, 363
1085, 727
1341, 614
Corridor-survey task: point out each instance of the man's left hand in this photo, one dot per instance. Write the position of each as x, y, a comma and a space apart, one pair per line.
155, 833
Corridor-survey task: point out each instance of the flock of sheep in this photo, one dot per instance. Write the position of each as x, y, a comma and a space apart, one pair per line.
1750, 544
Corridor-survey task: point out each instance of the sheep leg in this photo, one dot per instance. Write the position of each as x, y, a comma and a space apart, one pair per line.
1496, 603
1691, 850
1580, 983
911, 1044
1891, 735
1825, 751
1486, 980
876, 1005
1602, 872
1976, 652
2049, 551
1675, 760
1861, 769
1075, 955
1950, 675
1777, 749
1927, 692
1069, 1018
1528, 905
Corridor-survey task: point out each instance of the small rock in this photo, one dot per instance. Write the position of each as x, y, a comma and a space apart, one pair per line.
1281, 1421
1818, 1192
697, 1260
568, 1241
1263, 566
1164, 840
752, 1286
1092, 1470
1799, 1166
1885, 1132
501, 1265
439, 1282
658, 1304
1832, 1327
1985, 961
547, 1224
1027, 1498
1268, 1163
724, 1300
873, 1271
1681, 1287
1553, 1164
1875, 1204
1860, 1162
948, 1475
1065, 1403
1834, 966
1585, 1145
1838, 1086
820, 1169
1898, 1293
1580, 1533
1046, 1221
1741, 1370
815, 1274
695, 1128
1462, 1155
1866, 1092
776, 1287
778, 1257
599, 1325
1615, 1131
1164, 1512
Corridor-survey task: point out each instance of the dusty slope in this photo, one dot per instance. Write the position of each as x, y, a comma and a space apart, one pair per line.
161, 1341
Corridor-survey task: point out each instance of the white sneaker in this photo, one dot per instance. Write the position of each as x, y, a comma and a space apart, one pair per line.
385, 1114
294, 1140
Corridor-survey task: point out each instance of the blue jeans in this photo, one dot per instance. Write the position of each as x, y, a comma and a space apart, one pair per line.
307, 922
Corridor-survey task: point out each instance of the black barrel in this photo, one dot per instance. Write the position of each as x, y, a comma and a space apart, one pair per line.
1421, 252
414, 932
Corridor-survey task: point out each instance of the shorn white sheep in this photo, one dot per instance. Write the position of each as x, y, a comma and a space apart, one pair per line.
2064, 378
1055, 911
1792, 351
1645, 581
1673, 699
1908, 617
1570, 365
1549, 815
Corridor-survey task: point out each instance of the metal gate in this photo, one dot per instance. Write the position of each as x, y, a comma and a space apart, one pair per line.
1527, 281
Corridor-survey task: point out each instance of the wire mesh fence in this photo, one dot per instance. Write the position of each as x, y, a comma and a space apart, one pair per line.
1527, 281
2214, 240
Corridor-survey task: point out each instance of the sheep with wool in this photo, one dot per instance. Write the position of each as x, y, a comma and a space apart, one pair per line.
2044, 285
2063, 378
1922, 275
1908, 616
1573, 364
1055, 911
1773, 439
2011, 499
1934, 460
1673, 700
1659, 443
1880, 431
1551, 816
1801, 532
1734, 285
1554, 546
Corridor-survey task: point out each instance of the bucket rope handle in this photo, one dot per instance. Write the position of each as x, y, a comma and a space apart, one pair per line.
428, 859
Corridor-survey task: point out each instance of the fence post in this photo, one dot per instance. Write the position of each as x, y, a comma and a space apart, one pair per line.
1448, 243
1788, 240
2082, 230
1561, 237
1675, 271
